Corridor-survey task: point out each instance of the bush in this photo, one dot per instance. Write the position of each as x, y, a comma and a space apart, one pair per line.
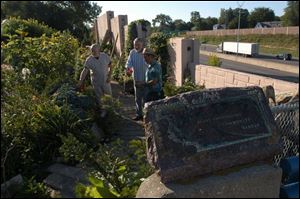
47, 58
31, 126
171, 90
159, 43
119, 170
213, 60
33, 189
32, 27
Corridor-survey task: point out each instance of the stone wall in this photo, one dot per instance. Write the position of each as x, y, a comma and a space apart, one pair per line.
215, 77
292, 30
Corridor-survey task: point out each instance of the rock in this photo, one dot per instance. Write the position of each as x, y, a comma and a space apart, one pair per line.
251, 181
200, 132
62, 183
98, 132
64, 179
9, 188
72, 172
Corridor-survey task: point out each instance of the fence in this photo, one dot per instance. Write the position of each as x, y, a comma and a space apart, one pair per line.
287, 120
291, 30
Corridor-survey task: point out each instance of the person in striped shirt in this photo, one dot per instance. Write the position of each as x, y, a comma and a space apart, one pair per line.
137, 64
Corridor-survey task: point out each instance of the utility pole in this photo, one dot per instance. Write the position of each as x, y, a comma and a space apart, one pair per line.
238, 35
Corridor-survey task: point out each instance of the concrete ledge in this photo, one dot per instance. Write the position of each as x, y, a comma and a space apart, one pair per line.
256, 181
253, 61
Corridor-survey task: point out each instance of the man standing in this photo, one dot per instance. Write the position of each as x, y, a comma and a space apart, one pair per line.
153, 77
99, 65
137, 64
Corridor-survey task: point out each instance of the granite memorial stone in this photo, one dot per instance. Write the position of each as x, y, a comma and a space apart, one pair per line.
200, 132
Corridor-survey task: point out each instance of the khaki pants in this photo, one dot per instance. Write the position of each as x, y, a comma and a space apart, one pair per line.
100, 90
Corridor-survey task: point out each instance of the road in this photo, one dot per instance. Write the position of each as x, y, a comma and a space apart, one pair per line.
237, 66
265, 57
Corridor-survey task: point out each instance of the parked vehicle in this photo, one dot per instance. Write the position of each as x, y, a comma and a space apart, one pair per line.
284, 56
251, 49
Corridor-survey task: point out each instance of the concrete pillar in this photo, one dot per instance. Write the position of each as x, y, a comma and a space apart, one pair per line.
103, 24
184, 53
117, 28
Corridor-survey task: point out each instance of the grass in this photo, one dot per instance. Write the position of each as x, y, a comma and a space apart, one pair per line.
269, 44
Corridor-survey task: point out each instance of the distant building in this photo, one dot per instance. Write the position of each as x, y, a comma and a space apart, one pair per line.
219, 26
269, 24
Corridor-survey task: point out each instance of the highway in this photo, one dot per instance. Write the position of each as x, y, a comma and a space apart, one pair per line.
265, 57
242, 67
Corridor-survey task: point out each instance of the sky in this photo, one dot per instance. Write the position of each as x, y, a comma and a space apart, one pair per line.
182, 9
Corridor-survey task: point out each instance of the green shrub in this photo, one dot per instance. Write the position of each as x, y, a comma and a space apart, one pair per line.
112, 121
118, 73
32, 27
33, 189
119, 170
171, 90
72, 150
47, 58
159, 43
213, 60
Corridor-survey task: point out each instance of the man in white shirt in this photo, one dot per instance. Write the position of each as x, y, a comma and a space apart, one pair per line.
99, 65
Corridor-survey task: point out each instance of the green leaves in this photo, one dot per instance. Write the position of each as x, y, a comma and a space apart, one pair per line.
45, 56
98, 189
213, 60
119, 170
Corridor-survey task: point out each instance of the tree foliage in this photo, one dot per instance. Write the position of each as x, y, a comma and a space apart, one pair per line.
164, 21
291, 14
261, 14
61, 15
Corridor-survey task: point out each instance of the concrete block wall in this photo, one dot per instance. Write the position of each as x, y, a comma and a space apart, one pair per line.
215, 77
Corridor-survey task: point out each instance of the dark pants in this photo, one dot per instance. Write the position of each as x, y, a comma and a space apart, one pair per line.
139, 92
152, 96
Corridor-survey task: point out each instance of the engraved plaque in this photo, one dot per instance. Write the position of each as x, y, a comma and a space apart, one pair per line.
204, 131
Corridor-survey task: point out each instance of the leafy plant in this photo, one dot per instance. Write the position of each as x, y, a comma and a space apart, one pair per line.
158, 41
72, 150
171, 90
34, 28
47, 58
119, 169
33, 189
213, 60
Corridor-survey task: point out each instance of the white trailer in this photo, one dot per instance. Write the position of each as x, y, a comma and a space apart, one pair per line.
251, 49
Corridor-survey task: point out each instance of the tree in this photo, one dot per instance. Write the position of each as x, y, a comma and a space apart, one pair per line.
291, 14
231, 18
260, 15
226, 16
180, 25
74, 16
211, 21
196, 20
162, 19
